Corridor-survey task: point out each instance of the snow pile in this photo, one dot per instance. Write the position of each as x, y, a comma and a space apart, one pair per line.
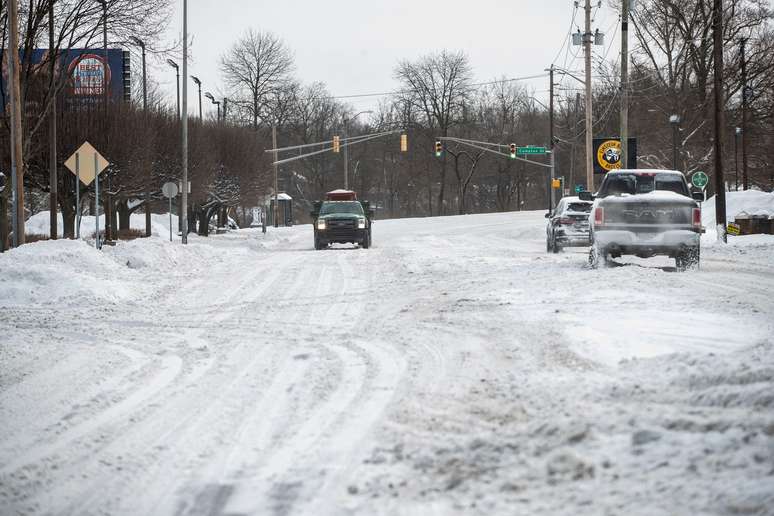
39, 224
751, 202
66, 271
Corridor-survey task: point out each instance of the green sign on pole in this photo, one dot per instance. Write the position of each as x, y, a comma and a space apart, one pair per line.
578, 188
523, 151
699, 179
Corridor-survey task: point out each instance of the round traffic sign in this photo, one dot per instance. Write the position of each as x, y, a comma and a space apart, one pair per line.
169, 190
699, 179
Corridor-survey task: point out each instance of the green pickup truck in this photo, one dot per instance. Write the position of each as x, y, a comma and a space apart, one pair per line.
342, 219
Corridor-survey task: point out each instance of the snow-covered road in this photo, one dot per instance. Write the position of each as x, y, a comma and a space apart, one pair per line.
454, 368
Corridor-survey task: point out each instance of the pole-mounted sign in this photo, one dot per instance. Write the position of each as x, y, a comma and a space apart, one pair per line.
87, 164
170, 190
700, 180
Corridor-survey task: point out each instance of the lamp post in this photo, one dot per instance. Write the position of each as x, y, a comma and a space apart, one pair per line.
674, 120
184, 128
140, 43
346, 152
109, 223
199, 85
216, 102
737, 135
177, 74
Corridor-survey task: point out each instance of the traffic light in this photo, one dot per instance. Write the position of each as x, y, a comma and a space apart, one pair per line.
336, 144
513, 151
438, 149
404, 143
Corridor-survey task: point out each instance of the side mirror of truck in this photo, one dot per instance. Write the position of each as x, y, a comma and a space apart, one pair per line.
698, 196
586, 196
548, 215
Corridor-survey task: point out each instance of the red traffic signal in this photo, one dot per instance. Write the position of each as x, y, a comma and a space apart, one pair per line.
513, 150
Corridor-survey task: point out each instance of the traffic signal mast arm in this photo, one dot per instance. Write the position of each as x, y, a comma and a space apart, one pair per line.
343, 143
485, 146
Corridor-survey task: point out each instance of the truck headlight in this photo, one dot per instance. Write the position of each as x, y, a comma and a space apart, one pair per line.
360, 223
321, 224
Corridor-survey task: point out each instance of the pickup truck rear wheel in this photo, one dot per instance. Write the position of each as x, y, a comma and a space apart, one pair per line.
688, 259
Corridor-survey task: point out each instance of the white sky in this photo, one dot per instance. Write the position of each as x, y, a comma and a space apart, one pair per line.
354, 45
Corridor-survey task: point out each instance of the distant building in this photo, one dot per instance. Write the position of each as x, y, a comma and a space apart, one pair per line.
86, 70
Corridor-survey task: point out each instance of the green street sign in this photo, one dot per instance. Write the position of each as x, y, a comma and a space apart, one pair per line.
578, 188
523, 151
699, 180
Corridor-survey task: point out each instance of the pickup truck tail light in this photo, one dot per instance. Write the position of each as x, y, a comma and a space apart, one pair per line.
697, 217
599, 216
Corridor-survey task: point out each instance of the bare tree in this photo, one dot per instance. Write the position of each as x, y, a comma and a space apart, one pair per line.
257, 68
436, 85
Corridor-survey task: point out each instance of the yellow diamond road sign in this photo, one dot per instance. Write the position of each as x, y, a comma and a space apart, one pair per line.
86, 165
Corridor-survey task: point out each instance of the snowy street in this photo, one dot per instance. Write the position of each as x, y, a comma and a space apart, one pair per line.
453, 368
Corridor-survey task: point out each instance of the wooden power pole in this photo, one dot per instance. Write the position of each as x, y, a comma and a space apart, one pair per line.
719, 125
589, 126
53, 180
624, 83
17, 158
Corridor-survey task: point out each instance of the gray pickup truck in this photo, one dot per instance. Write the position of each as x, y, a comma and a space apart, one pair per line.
645, 213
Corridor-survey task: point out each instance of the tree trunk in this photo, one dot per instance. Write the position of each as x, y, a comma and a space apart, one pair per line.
3, 223
124, 215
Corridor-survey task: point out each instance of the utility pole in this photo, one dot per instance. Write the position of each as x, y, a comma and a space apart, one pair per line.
589, 128
17, 158
551, 136
745, 95
276, 180
624, 83
719, 105
109, 224
346, 152
53, 185
184, 210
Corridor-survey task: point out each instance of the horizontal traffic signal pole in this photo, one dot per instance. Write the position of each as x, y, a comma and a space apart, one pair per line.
349, 141
482, 146
342, 141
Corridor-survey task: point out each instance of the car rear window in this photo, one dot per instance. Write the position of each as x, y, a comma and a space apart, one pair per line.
584, 207
618, 184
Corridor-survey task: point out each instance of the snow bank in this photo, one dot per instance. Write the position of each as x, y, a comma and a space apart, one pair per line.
66, 271
752, 202
39, 224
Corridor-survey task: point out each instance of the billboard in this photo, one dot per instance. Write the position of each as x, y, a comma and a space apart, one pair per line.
86, 72
607, 154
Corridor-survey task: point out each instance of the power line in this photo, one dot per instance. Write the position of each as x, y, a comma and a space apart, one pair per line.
475, 85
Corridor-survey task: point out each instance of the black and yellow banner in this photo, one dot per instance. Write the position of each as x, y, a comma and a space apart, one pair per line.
607, 154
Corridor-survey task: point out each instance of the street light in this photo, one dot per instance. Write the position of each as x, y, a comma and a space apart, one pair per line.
346, 153
140, 43
212, 99
674, 120
199, 85
177, 74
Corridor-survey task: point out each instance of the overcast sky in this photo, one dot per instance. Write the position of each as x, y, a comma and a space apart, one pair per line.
354, 45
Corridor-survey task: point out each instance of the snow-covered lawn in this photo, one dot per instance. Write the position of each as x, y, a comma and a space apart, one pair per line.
454, 368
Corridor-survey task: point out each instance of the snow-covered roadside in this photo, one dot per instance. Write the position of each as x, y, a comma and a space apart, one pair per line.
454, 368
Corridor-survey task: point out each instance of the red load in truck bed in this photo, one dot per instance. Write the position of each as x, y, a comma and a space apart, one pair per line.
341, 195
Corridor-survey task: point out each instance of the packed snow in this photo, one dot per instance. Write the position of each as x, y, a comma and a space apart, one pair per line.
454, 368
